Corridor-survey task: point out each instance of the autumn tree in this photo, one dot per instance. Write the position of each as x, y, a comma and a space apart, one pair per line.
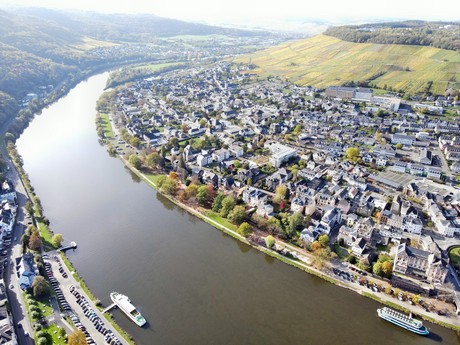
169, 186
269, 241
352, 153
191, 190
56, 240
280, 193
323, 240
237, 215
153, 160
387, 269
211, 192
77, 338
244, 229
135, 161
35, 242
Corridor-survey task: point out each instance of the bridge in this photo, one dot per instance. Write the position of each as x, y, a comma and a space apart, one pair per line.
72, 245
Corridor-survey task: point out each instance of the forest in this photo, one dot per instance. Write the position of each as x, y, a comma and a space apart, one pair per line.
443, 35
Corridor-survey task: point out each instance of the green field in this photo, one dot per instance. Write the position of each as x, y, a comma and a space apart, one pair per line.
454, 255
323, 61
105, 122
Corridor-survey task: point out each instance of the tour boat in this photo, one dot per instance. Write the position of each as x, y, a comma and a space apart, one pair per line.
125, 305
403, 320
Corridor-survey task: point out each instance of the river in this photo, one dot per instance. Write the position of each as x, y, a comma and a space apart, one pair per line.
194, 284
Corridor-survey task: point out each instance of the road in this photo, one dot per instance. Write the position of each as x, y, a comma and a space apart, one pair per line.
23, 327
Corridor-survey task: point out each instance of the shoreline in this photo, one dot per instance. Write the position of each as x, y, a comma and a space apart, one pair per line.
379, 297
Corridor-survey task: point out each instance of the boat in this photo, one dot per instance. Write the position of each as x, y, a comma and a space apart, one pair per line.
124, 303
402, 320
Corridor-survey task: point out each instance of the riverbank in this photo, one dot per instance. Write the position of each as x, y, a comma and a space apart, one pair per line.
305, 263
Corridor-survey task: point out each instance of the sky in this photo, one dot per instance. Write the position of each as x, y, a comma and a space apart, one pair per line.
265, 13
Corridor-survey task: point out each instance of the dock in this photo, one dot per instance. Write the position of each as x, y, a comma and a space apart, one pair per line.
113, 305
72, 245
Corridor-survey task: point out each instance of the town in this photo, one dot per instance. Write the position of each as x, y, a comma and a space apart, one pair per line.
340, 174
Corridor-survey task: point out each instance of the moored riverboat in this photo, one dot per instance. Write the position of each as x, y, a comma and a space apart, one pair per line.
402, 320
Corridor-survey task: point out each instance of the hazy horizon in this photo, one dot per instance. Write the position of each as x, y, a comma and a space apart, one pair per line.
292, 15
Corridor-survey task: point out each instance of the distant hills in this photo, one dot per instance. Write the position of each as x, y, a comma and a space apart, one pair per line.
39, 47
323, 61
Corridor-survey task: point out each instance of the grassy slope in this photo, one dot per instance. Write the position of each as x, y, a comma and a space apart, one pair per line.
324, 61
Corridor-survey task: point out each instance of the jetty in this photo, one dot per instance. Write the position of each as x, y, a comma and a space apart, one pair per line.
72, 245
113, 305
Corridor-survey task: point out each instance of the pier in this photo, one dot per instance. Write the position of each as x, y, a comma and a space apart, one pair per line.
72, 245
113, 305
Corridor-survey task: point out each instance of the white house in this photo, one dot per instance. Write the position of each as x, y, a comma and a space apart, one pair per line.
265, 210
254, 197
236, 150
280, 153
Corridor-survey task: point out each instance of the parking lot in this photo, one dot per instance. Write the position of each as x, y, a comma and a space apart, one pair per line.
80, 309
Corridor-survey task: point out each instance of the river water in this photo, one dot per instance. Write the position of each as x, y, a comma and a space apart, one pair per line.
194, 284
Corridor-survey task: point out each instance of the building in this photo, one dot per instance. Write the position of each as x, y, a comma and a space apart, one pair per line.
254, 197
425, 157
419, 264
402, 139
280, 153
26, 271
340, 92
7, 334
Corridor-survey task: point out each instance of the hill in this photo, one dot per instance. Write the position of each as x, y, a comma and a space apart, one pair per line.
323, 61
415, 32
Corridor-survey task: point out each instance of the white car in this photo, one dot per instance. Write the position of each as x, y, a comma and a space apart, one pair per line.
11, 286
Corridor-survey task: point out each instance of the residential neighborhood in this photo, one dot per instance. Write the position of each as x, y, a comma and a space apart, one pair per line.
375, 174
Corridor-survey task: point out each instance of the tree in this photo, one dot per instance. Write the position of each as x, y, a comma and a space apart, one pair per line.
9, 137
191, 190
211, 192
237, 215
169, 186
153, 159
228, 203
56, 240
280, 193
297, 130
134, 141
135, 161
294, 222
352, 153
35, 242
399, 146
387, 268
202, 195
29, 208
244, 229
269, 241
77, 338
40, 287
217, 204
377, 269
324, 240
